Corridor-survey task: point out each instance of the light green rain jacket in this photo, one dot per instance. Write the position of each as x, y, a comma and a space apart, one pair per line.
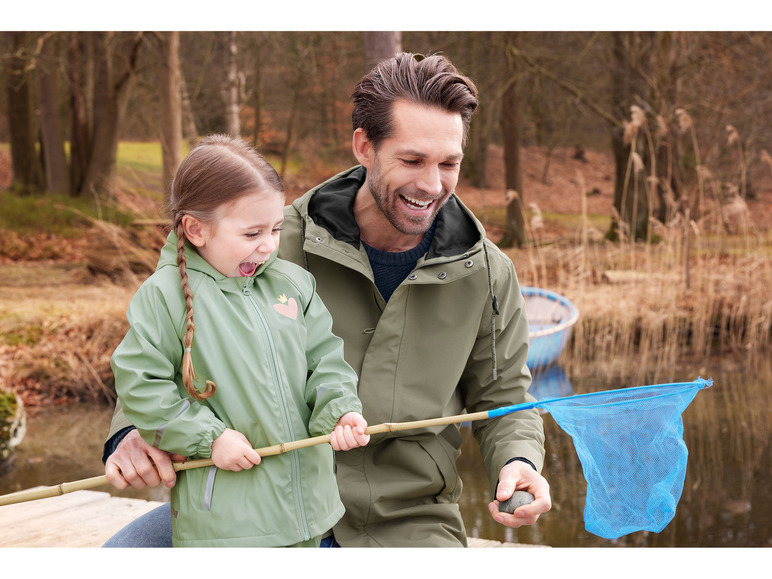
266, 342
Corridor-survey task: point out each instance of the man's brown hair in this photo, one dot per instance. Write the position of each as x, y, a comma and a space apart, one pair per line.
431, 81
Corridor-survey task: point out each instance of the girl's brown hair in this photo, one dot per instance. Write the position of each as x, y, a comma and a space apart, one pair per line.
219, 170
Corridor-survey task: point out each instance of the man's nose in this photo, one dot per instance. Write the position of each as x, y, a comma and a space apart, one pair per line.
430, 181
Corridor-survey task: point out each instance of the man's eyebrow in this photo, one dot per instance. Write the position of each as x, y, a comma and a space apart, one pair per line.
422, 155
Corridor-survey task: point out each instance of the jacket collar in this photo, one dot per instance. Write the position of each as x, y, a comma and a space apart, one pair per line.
331, 206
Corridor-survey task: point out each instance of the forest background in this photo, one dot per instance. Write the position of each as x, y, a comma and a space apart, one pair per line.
627, 170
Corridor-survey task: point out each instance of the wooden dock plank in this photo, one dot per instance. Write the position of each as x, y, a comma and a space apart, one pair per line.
79, 519
89, 518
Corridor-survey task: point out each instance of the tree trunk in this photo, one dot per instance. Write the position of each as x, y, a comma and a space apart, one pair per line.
189, 129
113, 78
27, 171
478, 46
257, 99
293, 113
52, 136
631, 198
380, 45
78, 56
231, 90
171, 108
511, 129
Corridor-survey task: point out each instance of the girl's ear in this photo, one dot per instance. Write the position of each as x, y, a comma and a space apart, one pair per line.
362, 148
195, 230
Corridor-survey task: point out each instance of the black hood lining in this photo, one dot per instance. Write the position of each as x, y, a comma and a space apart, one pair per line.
332, 207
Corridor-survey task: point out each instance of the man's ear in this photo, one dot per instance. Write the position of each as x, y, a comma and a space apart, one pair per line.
194, 230
363, 149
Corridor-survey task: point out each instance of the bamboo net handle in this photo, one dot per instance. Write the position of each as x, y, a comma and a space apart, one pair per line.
87, 483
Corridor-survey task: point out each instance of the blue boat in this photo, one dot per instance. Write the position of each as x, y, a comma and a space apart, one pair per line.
550, 319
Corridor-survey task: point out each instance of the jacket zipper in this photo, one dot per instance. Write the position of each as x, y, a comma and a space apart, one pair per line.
293, 456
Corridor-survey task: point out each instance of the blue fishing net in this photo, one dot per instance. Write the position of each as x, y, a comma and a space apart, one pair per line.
630, 443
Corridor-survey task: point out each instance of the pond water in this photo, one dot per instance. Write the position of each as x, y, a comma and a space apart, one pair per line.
725, 502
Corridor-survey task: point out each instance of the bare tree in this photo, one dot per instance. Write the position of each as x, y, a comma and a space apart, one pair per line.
380, 45
511, 120
51, 131
301, 52
232, 90
79, 76
115, 59
171, 107
25, 163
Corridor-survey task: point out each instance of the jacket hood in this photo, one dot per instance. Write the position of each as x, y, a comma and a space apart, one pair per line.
195, 262
331, 205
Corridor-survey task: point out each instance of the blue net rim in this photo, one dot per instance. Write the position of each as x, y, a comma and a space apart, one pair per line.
632, 394
669, 390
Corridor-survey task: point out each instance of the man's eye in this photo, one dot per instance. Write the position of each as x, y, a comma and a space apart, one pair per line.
411, 161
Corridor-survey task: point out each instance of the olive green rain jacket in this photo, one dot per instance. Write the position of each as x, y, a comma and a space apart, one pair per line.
266, 342
453, 336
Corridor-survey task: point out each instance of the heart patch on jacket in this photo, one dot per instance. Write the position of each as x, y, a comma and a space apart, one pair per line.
287, 307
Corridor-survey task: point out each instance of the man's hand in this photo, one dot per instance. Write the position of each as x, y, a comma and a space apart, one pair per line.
135, 463
519, 476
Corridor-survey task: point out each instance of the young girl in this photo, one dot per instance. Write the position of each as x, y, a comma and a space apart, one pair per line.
270, 369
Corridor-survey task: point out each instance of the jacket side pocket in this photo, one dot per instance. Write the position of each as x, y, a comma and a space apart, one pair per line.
209, 489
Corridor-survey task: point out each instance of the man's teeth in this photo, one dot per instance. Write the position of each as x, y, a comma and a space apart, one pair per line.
417, 202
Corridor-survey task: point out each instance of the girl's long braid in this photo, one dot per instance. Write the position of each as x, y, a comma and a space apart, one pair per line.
188, 372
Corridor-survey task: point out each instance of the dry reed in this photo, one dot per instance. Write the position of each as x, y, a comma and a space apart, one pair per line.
701, 291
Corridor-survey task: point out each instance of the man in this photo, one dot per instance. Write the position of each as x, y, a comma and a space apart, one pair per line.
429, 310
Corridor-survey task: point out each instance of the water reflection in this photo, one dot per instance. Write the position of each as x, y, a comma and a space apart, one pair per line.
725, 502
550, 382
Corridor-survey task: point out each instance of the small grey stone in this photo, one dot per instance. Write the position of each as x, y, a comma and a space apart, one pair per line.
518, 499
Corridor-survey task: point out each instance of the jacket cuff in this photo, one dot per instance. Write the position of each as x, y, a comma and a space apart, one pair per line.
520, 458
533, 466
204, 449
114, 441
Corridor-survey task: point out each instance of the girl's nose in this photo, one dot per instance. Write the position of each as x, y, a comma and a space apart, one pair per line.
270, 244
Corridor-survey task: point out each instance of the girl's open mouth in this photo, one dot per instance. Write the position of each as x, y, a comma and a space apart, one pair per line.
248, 268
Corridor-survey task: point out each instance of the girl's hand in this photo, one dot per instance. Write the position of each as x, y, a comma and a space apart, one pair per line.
349, 432
232, 451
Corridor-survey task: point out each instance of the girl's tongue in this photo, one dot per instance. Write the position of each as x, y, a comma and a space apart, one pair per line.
247, 269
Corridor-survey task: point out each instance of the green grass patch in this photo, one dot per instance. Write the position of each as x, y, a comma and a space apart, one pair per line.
140, 156
56, 214
23, 336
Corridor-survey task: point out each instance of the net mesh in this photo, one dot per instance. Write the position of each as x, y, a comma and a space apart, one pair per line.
630, 444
